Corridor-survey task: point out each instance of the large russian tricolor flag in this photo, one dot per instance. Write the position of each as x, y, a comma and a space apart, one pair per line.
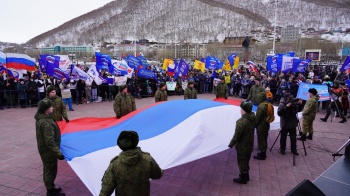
174, 132
20, 61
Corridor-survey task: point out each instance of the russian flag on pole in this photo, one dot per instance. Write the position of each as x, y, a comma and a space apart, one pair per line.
346, 64
20, 61
252, 66
2, 61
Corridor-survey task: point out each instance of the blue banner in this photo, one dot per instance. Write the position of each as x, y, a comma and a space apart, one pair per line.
52, 64
143, 61
119, 68
145, 73
274, 63
183, 68
291, 54
322, 90
231, 59
133, 62
212, 63
299, 65
346, 64
103, 61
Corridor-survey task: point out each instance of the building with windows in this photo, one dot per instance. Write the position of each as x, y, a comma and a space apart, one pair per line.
289, 34
58, 49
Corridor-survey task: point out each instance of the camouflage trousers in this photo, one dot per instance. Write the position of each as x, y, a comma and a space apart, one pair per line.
50, 170
308, 126
262, 140
243, 162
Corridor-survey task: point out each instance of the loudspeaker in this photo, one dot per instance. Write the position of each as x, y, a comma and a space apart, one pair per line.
306, 187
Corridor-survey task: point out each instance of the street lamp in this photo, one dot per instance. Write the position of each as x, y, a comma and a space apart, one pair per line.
134, 13
274, 29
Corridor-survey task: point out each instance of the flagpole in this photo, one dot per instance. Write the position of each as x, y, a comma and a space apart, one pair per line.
274, 29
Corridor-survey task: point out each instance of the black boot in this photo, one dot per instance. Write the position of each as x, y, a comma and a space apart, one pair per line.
243, 178
260, 156
52, 192
323, 119
309, 136
295, 152
248, 176
343, 121
303, 137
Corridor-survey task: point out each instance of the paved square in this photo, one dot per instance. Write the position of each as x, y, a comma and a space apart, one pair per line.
21, 168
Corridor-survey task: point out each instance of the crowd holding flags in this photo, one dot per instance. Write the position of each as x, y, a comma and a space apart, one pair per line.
286, 63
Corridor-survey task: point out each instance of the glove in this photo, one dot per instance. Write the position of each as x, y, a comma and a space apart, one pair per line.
225, 98
118, 117
61, 157
67, 121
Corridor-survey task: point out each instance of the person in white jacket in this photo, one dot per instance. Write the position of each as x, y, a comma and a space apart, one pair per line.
66, 94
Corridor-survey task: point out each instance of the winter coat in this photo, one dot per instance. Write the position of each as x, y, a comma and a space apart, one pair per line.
253, 94
22, 90
161, 95
243, 138
123, 104
190, 93
221, 90
288, 115
310, 108
261, 114
129, 174
48, 136
65, 91
59, 109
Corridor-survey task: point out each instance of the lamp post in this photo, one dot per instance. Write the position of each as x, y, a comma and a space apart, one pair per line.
134, 13
274, 28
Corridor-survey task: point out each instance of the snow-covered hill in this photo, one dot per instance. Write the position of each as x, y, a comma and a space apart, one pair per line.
193, 20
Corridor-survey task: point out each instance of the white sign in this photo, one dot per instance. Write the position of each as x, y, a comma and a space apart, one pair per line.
121, 80
216, 81
170, 86
184, 85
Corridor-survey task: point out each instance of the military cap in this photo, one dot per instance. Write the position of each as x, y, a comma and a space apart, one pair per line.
222, 78
43, 105
257, 79
246, 106
128, 140
190, 82
287, 95
161, 84
122, 87
313, 91
50, 88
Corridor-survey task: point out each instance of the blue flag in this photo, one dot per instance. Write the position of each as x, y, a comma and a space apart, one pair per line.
213, 63
203, 60
231, 59
182, 69
103, 61
133, 62
346, 64
42, 66
274, 63
143, 61
290, 54
145, 73
52, 64
299, 65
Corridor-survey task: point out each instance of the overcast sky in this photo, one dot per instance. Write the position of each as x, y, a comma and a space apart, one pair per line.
21, 20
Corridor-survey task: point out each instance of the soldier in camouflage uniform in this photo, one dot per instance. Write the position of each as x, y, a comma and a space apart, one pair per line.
221, 89
309, 114
161, 94
124, 103
254, 91
129, 173
59, 108
48, 138
262, 126
190, 92
243, 139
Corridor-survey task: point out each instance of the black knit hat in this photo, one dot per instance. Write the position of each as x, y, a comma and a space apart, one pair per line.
246, 106
161, 84
128, 140
122, 87
50, 88
313, 91
43, 105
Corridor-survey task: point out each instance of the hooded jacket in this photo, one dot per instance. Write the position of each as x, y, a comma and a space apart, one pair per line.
310, 108
243, 138
59, 110
48, 136
129, 174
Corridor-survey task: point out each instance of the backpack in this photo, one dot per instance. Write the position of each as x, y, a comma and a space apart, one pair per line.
270, 114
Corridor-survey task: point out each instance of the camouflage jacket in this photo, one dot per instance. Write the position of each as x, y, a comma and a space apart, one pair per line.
261, 113
129, 174
221, 90
48, 135
190, 93
254, 91
161, 95
243, 138
124, 104
59, 109
310, 108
